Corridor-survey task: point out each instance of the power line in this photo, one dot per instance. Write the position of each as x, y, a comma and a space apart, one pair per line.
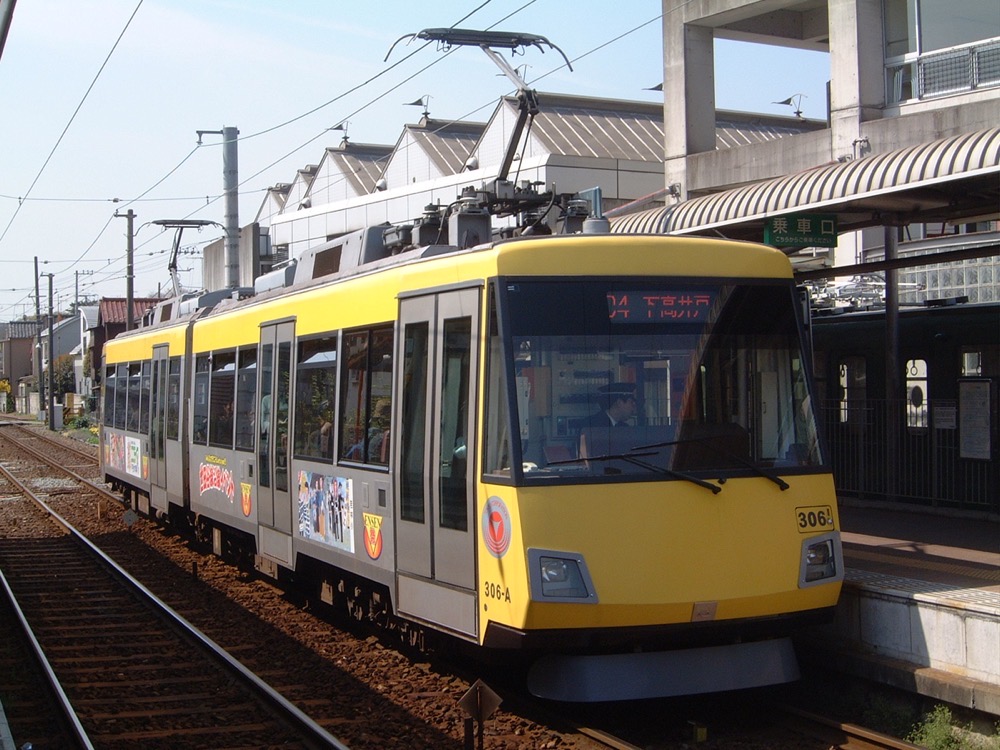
71, 119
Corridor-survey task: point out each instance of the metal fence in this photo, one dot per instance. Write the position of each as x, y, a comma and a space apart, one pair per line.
961, 68
879, 451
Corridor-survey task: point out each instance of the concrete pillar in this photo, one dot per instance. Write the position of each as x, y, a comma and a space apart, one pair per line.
857, 92
688, 92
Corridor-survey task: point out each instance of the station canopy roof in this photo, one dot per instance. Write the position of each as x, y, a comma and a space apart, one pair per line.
944, 180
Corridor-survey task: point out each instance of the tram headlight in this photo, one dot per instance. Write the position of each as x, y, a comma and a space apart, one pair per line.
559, 575
820, 561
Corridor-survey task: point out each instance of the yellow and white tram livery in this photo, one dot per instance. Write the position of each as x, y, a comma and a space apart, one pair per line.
430, 424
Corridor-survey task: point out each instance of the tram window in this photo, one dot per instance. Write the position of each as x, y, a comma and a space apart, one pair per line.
134, 393
705, 376
200, 412
174, 399
414, 422
222, 399
246, 398
282, 395
144, 392
381, 396
366, 396
497, 427
315, 397
853, 391
972, 363
121, 396
455, 374
109, 396
916, 393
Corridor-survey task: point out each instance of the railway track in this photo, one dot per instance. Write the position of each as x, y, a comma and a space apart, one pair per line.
134, 672
736, 721
408, 681
841, 734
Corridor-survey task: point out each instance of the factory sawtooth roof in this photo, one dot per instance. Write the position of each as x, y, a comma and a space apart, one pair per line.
446, 144
361, 163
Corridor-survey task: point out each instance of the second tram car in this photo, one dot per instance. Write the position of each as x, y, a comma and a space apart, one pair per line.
941, 425
599, 450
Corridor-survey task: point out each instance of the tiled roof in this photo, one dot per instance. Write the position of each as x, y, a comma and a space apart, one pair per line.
19, 329
115, 310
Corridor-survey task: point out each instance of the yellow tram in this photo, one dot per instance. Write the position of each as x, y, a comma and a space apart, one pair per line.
436, 427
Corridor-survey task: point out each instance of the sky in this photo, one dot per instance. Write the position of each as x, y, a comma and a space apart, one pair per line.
101, 101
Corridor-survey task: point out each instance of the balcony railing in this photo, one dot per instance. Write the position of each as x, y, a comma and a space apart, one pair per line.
942, 72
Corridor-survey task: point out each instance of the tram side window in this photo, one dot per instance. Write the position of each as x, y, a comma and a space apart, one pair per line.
497, 428
916, 393
366, 396
853, 391
200, 412
972, 363
222, 399
121, 394
174, 399
455, 375
144, 392
246, 398
109, 396
134, 391
315, 397
413, 424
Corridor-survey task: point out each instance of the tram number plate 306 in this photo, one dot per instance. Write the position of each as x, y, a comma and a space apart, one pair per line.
814, 518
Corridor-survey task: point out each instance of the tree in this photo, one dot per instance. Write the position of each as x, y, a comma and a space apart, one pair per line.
63, 375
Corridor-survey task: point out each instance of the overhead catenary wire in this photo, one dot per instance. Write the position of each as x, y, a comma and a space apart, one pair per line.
71, 119
209, 200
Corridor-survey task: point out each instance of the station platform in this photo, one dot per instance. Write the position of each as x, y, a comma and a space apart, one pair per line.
920, 607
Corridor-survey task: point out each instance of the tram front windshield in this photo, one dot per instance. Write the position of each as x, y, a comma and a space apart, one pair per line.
644, 379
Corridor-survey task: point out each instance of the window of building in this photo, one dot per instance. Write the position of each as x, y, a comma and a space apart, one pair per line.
934, 48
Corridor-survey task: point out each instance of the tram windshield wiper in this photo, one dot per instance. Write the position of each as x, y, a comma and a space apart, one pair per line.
782, 484
634, 458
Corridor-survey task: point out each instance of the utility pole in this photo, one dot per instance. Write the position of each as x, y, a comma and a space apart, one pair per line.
38, 349
52, 351
230, 182
129, 273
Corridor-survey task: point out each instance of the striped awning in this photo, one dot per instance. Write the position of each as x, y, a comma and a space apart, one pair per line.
947, 179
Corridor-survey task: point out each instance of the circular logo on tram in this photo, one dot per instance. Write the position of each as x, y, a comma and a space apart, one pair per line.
496, 526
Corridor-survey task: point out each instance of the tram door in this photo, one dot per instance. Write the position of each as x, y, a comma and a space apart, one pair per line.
157, 429
274, 508
436, 528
